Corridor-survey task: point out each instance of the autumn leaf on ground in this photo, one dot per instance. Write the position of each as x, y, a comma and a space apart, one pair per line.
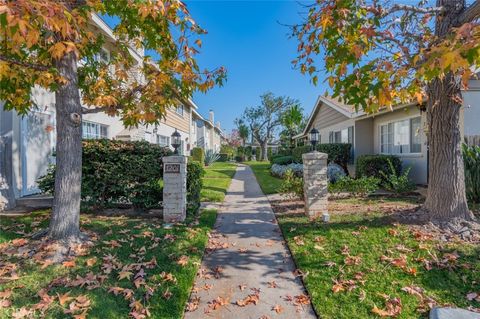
193, 305
250, 299
242, 287
91, 261
277, 309
217, 303
69, 263
183, 260
21, 313
393, 308
272, 284
124, 274
63, 299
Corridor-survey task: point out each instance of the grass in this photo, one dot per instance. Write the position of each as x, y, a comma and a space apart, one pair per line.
268, 183
136, 241
216, 181
362, 229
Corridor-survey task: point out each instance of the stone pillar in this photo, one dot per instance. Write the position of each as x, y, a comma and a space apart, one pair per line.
174, 188
315, 184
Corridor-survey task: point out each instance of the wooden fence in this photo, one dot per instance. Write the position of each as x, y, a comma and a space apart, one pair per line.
472, 140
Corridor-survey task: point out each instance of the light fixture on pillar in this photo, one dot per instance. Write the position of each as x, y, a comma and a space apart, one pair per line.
176, 141
155, 130
314, 135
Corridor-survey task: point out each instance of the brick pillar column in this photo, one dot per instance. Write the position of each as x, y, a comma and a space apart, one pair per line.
315, 184
174, 188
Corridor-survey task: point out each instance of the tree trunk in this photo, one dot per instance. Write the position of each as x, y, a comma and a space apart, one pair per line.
65, 220
446, 198
264, 146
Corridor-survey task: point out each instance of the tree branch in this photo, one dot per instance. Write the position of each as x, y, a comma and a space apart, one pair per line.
406, 7
470, 14
38, 67
99, 109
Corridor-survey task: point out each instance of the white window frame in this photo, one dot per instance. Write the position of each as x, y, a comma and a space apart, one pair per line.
393, 137
167, 138
98, 130
98, 56
180, 107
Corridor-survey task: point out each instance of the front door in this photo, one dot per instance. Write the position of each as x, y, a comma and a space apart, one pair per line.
36, 148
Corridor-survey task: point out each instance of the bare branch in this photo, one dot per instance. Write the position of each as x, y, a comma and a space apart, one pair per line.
98, 109
38, 67
470, 14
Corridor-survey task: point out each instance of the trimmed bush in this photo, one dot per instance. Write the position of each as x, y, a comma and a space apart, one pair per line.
195, 172
283, 160
198, 155
223, 157
239, 158
269, 154
357, 187
292, 186
115, 172
471, 158
372, 165
280, 170
248, 153
229, 150
338, 153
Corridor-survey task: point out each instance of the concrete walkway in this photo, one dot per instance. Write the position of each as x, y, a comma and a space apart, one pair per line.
247, 256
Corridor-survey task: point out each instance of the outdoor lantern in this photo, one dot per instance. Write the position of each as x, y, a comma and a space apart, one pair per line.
314, 134
155, 130
176, 140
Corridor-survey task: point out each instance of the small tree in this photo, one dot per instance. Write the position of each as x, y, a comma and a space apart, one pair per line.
381, 53
263, 120
243, 130
293, 123
42, 43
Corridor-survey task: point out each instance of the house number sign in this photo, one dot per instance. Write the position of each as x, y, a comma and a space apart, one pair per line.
172, 168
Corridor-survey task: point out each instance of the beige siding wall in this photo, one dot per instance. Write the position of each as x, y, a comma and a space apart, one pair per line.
418, 162
327, 116
181, 123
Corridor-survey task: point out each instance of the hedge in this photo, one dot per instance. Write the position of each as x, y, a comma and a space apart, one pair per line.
282, 160
229, 150
224, 157
195, 172
471, 158
338, 153
116, 172
371, 165
198, 155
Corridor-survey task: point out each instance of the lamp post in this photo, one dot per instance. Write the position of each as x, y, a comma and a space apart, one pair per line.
176, 141
314, 134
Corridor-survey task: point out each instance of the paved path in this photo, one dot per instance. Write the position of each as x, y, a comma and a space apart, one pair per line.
247, 257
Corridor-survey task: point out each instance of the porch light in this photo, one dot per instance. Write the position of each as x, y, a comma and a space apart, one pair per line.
314, 134
176, 141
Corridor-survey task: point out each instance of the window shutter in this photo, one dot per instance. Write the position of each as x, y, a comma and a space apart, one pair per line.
350, 135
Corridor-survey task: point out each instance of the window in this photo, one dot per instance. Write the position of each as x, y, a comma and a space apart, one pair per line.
401, 137
163, 140
148, 137
102, 56
343, 136
179, 110
91, 130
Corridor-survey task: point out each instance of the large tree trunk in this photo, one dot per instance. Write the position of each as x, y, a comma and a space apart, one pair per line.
446, 199
264, 147
65, 220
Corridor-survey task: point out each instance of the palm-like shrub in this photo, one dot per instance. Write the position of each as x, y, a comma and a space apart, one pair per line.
471, 158
211, 157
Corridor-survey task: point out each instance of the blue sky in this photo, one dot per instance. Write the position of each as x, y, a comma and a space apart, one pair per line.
247, 38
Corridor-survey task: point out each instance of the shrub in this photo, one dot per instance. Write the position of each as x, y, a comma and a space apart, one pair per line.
297, 153
239, 158
269, 154
198, 155
280, 170
116, 172
398, 183
283, 160
334, 172
372, 165
211, 157
248, 153
223, 157
471, 158
284, 151
292, 185
195, 172
338, 153
229, 150
357, 187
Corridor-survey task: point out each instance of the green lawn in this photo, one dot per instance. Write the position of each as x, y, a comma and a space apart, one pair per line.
368, 261
167, 260
216, 181
268, 183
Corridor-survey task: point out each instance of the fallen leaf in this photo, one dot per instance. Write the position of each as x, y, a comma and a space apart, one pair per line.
91, 261
69, 263
64, 298
277, 309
